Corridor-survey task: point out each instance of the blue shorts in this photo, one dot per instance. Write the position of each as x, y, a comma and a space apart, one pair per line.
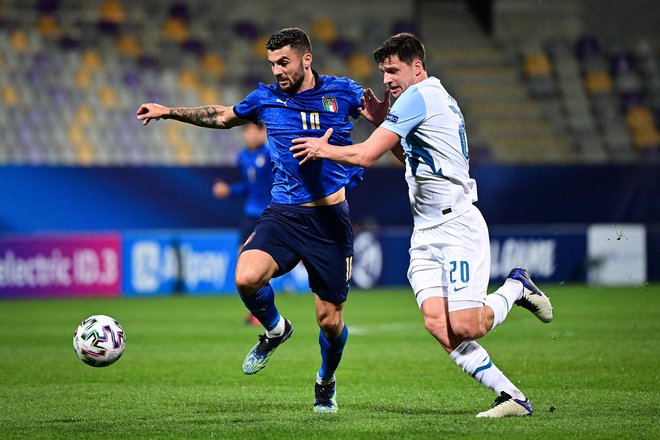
246, 227
320, 236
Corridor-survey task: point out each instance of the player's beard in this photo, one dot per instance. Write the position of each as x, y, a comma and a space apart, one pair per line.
295, 80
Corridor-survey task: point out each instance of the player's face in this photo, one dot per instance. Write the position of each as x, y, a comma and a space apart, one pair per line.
398, 76
288, 68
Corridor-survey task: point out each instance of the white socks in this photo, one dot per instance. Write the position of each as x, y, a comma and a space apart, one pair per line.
278, 330
502, 300
474, 360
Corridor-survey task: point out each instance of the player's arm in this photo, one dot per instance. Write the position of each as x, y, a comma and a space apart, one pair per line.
364, 154
210, 116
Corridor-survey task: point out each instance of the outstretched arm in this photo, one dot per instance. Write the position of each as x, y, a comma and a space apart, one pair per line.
211, 116
364, 154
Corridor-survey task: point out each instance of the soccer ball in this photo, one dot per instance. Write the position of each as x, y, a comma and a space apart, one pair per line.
99, 341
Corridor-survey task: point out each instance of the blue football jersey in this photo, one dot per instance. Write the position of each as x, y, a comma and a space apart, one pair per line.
306, 114
256, 180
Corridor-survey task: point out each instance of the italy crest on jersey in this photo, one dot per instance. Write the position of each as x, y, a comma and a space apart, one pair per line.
329, 104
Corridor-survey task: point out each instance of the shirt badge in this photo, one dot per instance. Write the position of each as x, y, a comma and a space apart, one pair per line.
392, 118
329, 104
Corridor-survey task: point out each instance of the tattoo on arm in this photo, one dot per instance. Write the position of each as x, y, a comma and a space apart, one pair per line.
207, 116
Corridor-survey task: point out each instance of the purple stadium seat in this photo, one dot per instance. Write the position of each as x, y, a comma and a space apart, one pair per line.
622, 63
34, 77
246, 29
67, 42
180, 11
35, 115
108, 27
586, 47
155, 96
34, 153
342, 47
194, 46
146, 62
47, 6
26, 134
59, 96
632, 99
131, 79
251, 79
401, 26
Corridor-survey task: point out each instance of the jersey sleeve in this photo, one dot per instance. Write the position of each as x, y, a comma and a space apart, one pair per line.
406, 113
249, 107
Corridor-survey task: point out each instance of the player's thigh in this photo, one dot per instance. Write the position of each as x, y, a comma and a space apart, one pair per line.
254, 268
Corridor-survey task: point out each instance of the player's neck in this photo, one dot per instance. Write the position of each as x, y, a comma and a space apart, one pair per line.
421, 77
309, 82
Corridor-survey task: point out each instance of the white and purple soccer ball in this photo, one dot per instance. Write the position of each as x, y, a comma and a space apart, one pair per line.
99, 341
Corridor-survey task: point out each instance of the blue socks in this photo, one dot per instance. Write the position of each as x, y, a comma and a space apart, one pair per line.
262, 306
331, 352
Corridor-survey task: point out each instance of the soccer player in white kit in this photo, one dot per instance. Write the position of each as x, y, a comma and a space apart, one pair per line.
450, 251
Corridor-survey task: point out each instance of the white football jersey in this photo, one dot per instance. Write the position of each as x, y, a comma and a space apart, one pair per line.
432, 132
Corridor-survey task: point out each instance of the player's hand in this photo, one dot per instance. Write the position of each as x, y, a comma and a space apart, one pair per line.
147, 112
220, 189
306, 149
373, 109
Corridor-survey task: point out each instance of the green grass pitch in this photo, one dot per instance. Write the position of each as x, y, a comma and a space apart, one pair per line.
592, 373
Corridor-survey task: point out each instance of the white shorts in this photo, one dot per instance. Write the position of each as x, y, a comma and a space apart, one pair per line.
452, 260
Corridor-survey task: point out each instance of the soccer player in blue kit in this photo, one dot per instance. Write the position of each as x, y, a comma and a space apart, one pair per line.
449, 250
308, 219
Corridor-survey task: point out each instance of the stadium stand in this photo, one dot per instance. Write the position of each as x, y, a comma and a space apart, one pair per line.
536, 88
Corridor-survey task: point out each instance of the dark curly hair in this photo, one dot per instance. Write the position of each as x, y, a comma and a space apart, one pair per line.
294, 37
406, 47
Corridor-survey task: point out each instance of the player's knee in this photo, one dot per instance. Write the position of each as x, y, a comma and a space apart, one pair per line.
248, 282
469, 331
331, 325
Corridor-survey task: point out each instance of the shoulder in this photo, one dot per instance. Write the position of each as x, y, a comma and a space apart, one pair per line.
411, 97
340, 83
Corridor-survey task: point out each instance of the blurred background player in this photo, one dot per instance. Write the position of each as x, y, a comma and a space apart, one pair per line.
255, 185
450, 250
308, 219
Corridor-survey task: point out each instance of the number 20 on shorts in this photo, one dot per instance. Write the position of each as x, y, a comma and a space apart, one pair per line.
463, 269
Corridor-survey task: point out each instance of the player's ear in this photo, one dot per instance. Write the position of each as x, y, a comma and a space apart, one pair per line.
307, 60
418, 66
